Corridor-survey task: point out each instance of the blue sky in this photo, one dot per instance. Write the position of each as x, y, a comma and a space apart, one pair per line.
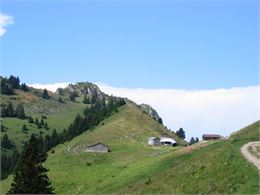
176, 56
147, 44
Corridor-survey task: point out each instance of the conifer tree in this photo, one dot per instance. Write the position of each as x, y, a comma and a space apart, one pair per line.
24, 87
19, 112
30, 119
39, 125
30, 177
10, 110
6, 143
14, 81
192, 141
54, 138
45, 94
24, 128
4, 112
46, 126
180, 133
2, 128
42, 122
36, 121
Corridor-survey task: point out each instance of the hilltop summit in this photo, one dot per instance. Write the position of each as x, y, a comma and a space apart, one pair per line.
81, 89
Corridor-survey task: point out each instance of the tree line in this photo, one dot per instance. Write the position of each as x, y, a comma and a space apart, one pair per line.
7, 110
9, 84
194, 140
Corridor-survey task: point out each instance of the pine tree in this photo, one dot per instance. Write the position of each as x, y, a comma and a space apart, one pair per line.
6, 86
24, 87
180, 133
46, 126
6, 143
42, 122
197, 140
54, 138
30, 177
14, 81
10, 110
39, 125
192, 141
30, 119
47, 142
45, 94
2, 128
4, 112
36, 121
160, 120
24, 128
19, 112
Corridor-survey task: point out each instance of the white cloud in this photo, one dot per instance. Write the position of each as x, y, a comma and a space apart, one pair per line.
198, 111
4, 21
219, 111
50, 87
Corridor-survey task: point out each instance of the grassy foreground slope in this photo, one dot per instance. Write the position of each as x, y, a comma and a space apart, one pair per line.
217, 168
126, 133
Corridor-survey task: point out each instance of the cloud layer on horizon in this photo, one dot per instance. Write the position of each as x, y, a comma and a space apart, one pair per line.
219, 111
51, 87
4, 21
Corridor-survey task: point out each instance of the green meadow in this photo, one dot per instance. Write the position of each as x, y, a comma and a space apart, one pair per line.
133, 167
218, 168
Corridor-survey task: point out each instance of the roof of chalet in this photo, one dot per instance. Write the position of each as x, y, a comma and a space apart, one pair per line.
211, 135
167, 139
96, 144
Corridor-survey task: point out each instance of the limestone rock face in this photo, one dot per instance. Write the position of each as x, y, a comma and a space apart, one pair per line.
151, 112
81, 89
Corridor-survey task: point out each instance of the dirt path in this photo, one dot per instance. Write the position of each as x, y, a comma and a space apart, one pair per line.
248, 155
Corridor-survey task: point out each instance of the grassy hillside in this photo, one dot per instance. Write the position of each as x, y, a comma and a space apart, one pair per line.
126, 133
133, 167
59, 115
218, 168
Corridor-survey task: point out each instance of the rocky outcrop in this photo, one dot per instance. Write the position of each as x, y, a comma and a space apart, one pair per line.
151, 112
81, 89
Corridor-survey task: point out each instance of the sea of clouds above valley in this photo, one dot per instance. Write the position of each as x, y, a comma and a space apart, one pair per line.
221, 111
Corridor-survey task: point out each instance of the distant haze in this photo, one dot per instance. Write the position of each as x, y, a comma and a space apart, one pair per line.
220, 111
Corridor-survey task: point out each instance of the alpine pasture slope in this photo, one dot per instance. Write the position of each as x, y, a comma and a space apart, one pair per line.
219, 168
126, 133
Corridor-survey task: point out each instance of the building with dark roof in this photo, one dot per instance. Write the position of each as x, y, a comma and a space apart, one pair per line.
98, 147
211, 137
